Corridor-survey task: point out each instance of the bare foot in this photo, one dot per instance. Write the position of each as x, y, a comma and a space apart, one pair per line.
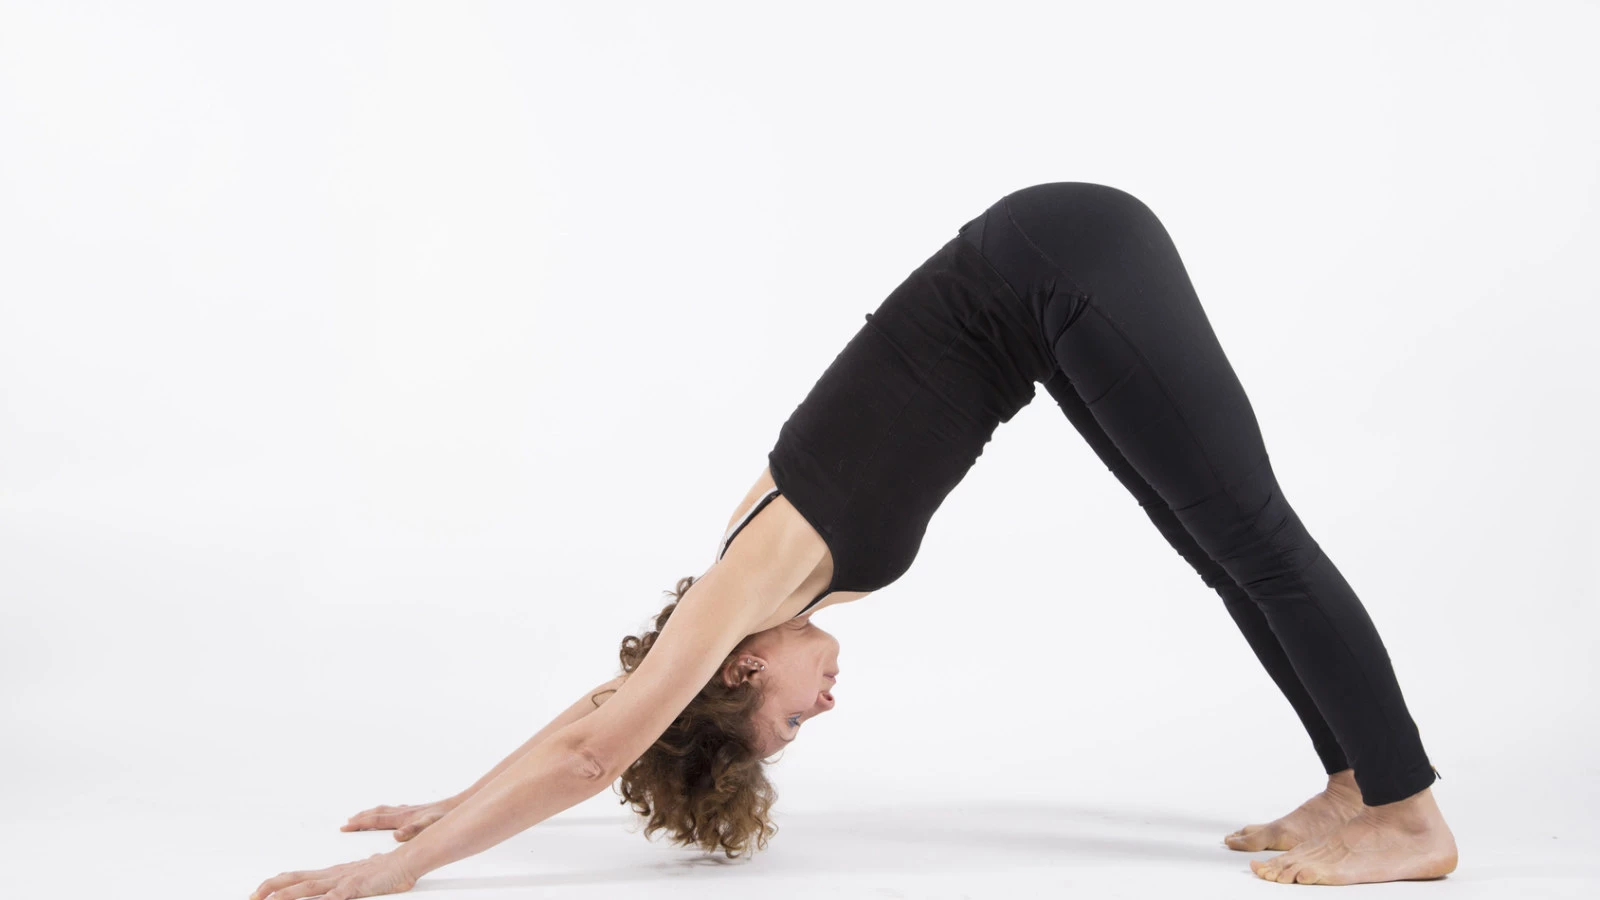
1399, 841
1337, 804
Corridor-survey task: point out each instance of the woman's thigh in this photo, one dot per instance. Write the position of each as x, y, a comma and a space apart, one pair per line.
1138, 346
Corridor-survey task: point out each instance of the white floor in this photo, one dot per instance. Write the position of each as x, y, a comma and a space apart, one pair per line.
1108, 837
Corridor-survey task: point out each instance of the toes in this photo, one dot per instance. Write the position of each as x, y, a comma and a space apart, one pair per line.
1306, 875
1250, 842
1261, 838
1248, 829
1280, 868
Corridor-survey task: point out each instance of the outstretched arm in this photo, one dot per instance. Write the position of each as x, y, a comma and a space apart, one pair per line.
588, 703
577, 760
407, 821
584, 757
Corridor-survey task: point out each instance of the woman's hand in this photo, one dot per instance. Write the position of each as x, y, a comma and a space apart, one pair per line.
379, 873
405, 820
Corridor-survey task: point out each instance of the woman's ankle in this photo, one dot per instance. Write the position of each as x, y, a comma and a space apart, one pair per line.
1344, 781
1418, 812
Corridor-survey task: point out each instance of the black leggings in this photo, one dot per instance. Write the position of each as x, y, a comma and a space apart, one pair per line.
1141, 375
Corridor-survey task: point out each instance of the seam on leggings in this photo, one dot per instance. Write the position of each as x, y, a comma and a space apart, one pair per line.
1005, 206
1226, 487
1114, 385
1343, 642
1073, 289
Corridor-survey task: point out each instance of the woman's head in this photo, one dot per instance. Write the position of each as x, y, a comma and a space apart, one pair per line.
794, 665
703, 780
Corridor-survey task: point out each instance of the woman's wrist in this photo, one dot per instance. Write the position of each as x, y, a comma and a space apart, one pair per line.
403, 859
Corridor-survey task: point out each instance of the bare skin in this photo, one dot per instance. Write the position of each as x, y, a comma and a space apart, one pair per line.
816, 581
1331, 840
1333, 806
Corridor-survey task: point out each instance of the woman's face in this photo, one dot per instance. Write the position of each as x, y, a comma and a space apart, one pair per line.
798, 664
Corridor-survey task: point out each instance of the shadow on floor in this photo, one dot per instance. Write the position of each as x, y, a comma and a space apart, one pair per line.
920, 838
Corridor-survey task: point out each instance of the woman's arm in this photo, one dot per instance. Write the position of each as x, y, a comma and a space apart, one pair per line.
407, 821
584, 705
581, 759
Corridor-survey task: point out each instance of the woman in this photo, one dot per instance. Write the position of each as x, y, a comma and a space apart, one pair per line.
1074, 285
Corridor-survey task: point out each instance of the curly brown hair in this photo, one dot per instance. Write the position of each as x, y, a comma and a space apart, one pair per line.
702, 780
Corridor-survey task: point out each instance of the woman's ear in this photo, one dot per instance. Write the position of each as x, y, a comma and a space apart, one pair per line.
742, 669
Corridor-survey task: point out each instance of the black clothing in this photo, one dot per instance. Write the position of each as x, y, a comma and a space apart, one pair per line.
903, 412
1079, 286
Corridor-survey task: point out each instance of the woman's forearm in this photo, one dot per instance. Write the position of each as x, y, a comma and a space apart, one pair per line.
582, 707
549, 778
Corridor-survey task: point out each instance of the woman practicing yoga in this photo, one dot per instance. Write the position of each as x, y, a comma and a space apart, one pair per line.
1074, 285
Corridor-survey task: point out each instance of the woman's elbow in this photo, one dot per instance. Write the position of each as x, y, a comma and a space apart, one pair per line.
593, 765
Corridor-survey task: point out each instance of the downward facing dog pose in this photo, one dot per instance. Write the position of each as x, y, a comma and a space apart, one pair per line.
1076, 286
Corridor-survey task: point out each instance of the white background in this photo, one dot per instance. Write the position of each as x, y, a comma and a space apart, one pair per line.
368, 371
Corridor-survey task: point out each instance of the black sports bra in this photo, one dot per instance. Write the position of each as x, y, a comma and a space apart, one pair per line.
744, 520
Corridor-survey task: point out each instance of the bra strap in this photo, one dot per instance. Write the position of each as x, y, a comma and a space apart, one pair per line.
744, 519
